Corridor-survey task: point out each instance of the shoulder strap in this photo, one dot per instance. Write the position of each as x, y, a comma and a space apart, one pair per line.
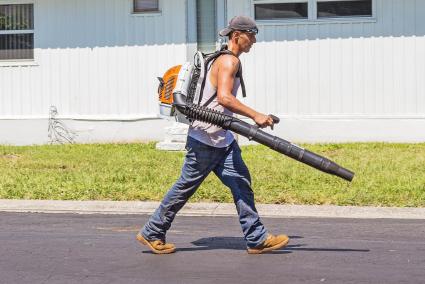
210, 100
241, 78
210, 58
238, 74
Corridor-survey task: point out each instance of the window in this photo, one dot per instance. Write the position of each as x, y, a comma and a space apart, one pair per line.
275, 11
16, 31
352, 8
141, 6
206, 25
311, 9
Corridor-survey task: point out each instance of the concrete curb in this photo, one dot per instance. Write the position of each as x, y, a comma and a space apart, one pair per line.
209, 209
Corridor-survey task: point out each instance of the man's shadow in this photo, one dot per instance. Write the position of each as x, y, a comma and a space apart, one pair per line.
237, 243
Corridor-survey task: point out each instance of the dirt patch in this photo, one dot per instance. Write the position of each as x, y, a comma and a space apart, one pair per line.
11, 157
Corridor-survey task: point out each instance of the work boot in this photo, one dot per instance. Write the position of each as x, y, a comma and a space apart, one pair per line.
157, 246
271, 243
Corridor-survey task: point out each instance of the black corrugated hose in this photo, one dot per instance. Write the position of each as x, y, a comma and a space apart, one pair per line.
252, 132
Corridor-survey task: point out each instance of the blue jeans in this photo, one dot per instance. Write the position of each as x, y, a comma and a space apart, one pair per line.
229, 167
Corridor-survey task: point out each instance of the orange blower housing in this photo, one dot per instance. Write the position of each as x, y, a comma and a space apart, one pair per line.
167, 84
177, 79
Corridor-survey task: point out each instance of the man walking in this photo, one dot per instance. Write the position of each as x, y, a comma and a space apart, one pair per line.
213, 149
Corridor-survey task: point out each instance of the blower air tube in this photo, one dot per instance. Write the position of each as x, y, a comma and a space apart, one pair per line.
196, 112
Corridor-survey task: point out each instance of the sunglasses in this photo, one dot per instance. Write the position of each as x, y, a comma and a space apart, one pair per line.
251, 31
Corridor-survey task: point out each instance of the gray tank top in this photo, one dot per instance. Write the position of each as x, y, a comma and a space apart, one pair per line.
207, 133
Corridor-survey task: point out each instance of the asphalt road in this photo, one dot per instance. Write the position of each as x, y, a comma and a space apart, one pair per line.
71, 248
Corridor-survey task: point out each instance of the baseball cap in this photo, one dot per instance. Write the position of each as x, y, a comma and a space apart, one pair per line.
240, 23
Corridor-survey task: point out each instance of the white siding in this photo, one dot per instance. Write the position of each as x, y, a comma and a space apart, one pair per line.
94, 58
352, 81
336, 69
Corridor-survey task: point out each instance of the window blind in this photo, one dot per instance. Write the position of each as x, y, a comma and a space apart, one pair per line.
146, 5
16, 31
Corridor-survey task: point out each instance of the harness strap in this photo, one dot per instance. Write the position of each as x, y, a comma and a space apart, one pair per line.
210, 100
242, 82
238, 75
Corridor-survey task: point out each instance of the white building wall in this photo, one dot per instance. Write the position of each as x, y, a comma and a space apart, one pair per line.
329, 81
362, 79
93, 60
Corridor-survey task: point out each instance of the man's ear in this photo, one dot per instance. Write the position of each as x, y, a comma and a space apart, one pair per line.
236, 35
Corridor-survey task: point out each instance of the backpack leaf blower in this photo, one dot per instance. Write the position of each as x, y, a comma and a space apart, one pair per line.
179, 92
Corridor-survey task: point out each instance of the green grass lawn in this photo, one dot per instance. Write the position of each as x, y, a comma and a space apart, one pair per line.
386, 174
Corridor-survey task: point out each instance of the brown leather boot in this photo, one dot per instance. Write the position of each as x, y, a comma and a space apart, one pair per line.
157, 246
271, 243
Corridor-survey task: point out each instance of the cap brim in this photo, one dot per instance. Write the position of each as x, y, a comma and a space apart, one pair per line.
225, 32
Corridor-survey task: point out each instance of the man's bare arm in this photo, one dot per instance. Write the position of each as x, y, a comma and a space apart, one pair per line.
227, 68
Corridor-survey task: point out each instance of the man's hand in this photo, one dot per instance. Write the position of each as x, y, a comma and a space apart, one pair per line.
263, 120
